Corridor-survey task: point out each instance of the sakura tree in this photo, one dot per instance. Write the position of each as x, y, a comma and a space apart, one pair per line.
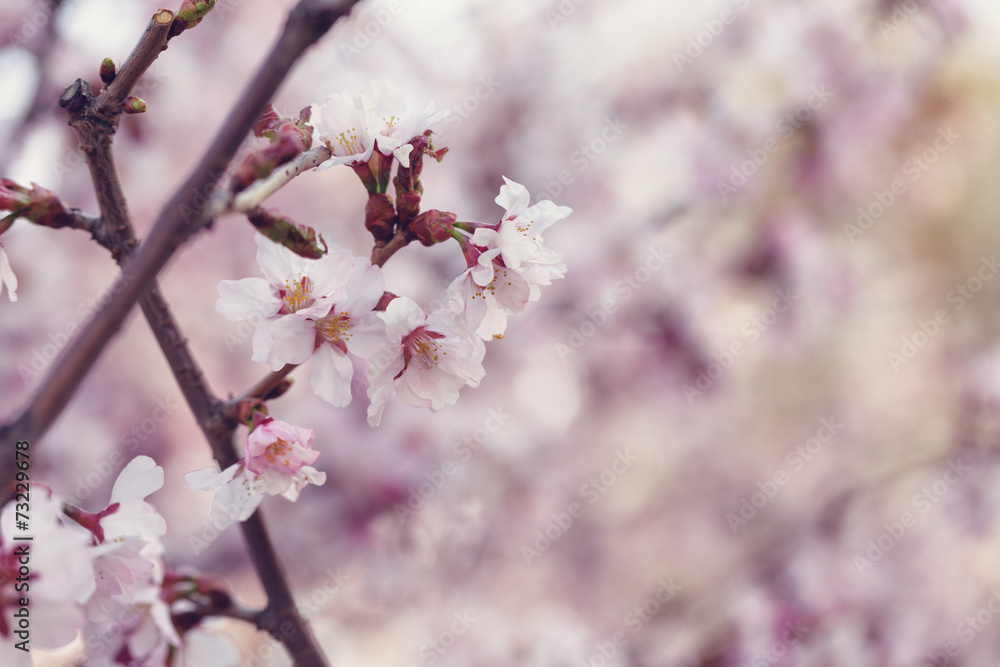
66, 572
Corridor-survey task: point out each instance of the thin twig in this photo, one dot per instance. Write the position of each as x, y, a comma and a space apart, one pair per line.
262, 389
381, 254
255, 195
182, 216
150, 45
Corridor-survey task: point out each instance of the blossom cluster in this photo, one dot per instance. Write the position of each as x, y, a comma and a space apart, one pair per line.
277, 462
334, 311
100, 574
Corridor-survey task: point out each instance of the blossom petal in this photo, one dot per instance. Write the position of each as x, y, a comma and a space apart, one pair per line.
278, 264
367, 336
331, 375
330, 273
7, 277
140, 478
237, 500
513, 198
206, 479
294, 339
402, 316
247, 299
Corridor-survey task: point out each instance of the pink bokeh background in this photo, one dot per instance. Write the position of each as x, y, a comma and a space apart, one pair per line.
663, 349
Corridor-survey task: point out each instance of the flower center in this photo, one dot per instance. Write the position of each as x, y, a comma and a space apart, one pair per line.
277, 454
390, 124
499, 272
525, 228
422, 345
298, 295
349, 142
335, 327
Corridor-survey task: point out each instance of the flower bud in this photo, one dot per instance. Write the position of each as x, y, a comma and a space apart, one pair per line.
433, 226
288, 140
300, 239
134, 105
190, 14
38, 204
408, 205
108, 71
268, 121
380, 217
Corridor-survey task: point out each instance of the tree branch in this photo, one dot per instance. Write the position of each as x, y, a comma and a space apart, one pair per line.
263, 389
255, 195
382, 253
183, 215
151, 44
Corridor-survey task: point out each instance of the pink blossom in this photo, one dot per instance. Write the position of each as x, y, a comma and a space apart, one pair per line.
428, 359
277, 462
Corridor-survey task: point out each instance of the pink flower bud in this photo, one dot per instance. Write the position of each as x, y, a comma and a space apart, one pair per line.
380, 217
279, 447
433, 226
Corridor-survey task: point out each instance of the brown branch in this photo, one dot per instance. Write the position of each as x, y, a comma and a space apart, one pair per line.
151, 44
255, 195
263, 390
183, 215
382, 253
208, 410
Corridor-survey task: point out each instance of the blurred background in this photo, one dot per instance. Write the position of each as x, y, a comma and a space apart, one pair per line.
754, 425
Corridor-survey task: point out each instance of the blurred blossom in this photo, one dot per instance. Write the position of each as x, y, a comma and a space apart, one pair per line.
783, 218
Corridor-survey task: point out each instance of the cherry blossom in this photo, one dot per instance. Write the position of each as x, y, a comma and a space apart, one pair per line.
508, 262
427, 360
519, 235
61, 577
129, 553
134, 632
331, 330
277, 462
7, 277
290, 284
353, 125
490, 290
